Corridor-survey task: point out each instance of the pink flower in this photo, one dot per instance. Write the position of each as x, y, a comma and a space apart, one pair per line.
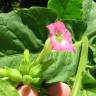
60, 37
27, 90
59, 89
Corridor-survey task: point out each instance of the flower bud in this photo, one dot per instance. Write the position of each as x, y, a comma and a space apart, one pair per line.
14, 75
35, 70
59, 89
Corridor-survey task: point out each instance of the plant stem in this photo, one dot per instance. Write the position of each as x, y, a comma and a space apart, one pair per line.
77, 43
81, 68
46, 50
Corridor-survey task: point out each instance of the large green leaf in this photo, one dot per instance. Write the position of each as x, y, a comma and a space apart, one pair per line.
6, 89
63, 67
37, 19
67, 9
90, 14
90, 17
88, 80
79, 10
23, 29
15, 36
77, 28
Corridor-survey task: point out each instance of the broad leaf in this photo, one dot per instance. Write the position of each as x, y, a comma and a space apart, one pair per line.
90, 17
88, 80
37, 19
93, 49
6, 89
63, 67
77, 28
23, 29
67, 9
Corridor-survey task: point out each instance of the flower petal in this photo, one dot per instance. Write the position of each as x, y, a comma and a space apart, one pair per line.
59, 89
66, 43
59, 26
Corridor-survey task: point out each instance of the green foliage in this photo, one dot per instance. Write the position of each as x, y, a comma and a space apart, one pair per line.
87, 92
6, 89
77, 28
63, 67
37, 19
3, 72
67, 9
90, 18
35, 70
27, 79
23, 29
91, 33
26, 29
14, 75
81, 67
88, 80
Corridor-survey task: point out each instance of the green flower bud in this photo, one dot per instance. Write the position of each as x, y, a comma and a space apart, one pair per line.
24, 66
36, 81
26, 56
3, 72
14, 75
27, 79
35, 71
46, 50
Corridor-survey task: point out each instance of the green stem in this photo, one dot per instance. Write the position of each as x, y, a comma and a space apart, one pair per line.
46, 50
81, 68
77, 43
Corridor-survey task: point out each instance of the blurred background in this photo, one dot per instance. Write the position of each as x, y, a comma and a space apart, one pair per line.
8, 5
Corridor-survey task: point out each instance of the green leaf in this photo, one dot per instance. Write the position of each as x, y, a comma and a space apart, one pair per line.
92, 56
88, 80
90, 18
37, 18
63, 67
11, 60
23, 29
27, 79
3, 72
77, 28
15, 36
6, 89
87, 6
67, 9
